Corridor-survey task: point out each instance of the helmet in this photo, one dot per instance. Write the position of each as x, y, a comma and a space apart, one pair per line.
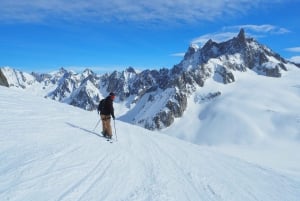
112, 95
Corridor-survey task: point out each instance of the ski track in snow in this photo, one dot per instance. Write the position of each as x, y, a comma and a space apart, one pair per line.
48, 151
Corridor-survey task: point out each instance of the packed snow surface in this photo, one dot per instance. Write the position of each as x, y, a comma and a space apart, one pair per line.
256, 118
49, 151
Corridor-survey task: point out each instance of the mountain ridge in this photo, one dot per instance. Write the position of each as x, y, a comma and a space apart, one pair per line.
165, 91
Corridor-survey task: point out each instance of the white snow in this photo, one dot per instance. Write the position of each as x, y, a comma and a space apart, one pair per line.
25, 81
256, 118
243, 144
16, 78
49, 151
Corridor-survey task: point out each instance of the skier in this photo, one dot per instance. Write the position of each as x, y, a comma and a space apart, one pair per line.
106, 110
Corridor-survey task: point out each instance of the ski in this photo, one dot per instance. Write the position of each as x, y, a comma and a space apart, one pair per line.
108, 139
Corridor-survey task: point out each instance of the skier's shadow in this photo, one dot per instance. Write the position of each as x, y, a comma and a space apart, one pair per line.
85, 130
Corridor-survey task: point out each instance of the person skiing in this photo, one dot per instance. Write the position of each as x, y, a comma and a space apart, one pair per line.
106, 110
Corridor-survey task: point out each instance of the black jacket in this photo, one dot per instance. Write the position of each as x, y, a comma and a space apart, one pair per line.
108, 107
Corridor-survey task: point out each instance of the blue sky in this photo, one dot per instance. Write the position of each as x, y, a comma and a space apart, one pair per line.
43, 35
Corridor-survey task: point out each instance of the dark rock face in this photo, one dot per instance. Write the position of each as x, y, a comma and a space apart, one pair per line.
156, 97
175, 110
65, 86
298, 65
273, 72
3, 80
85, 96
227, 76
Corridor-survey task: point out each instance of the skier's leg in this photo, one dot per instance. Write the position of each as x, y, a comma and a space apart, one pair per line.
104, 126
109, 130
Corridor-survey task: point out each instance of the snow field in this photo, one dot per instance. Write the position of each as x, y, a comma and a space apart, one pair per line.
49, 151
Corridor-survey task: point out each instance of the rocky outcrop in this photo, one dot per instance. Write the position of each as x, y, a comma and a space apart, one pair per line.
3, 80
174, 109
154, 98
86, 96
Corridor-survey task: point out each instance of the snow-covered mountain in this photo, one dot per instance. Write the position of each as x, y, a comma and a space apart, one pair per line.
49, 152
237, 100
155, 98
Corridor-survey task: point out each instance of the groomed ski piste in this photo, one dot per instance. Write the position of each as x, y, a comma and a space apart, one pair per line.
49, 151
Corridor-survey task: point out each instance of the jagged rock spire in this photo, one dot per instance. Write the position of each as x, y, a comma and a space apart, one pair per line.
241, 35
130, 69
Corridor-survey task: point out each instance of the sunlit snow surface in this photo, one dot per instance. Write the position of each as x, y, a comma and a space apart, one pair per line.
256, 118
49, 151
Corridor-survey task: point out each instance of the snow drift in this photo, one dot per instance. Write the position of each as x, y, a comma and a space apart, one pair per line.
49, 151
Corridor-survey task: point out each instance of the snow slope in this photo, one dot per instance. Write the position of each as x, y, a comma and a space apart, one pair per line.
252, 109
48, 151
255, 118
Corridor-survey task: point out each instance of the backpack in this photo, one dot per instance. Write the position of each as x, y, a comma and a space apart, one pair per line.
101, 105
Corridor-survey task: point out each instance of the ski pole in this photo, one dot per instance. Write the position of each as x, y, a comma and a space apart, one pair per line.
115, 130
96, 125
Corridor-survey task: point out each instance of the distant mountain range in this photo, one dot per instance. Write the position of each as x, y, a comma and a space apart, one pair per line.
154, 98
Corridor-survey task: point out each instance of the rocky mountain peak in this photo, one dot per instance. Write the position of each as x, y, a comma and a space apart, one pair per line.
62, 70
191, 50
130, 70
88, 71
154, 98
241, 36
210, 46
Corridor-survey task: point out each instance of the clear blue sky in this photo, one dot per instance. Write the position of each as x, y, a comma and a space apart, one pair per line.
44, 35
